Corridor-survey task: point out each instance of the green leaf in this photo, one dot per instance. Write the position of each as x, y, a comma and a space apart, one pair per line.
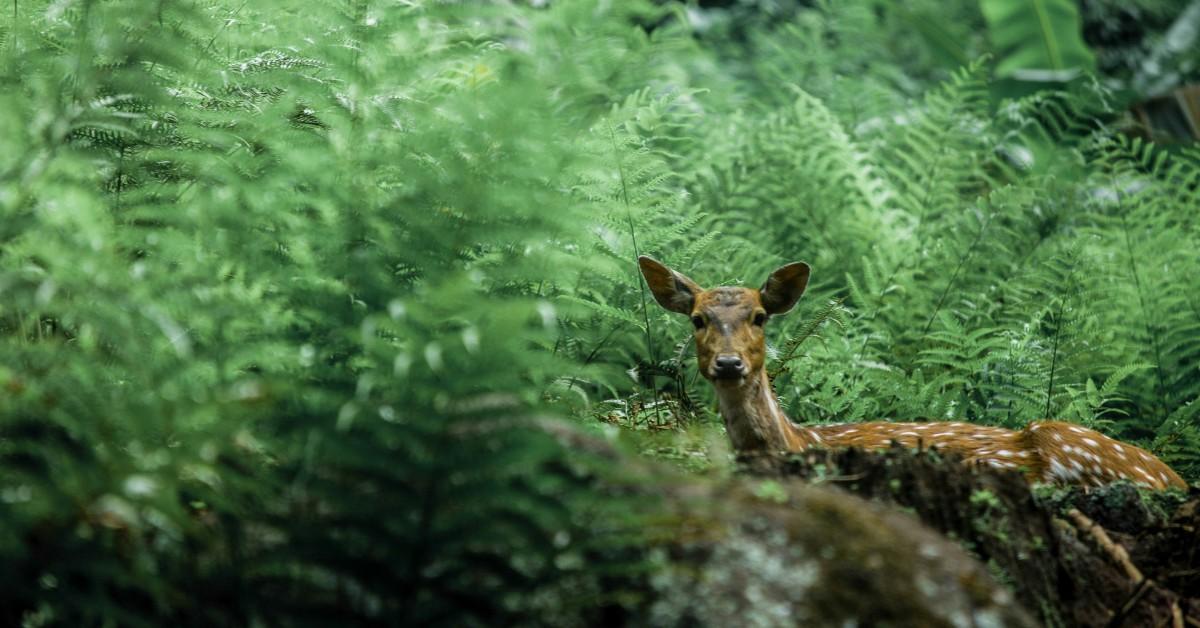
1037, 41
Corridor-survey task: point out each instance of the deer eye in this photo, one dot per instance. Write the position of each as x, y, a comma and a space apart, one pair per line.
698, 321
760, 318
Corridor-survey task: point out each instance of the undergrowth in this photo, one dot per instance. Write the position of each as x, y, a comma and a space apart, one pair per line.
291, 289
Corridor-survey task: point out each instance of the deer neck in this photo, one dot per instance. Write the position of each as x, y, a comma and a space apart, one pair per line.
754, 421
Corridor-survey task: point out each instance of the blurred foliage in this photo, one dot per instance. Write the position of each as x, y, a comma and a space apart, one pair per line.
292, 291
1037, 41
1149, 45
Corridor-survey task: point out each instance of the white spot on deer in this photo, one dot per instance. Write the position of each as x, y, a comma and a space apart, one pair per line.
1035, 427
1091, 442
1022, 454
941, 434
1142, 472
1163, 476
1058, 437
849, 431
817, 438
909, 434
1068, 448
1096, 469
1077, 430
1119, 448
1057, 468
1078, 466
1004, 453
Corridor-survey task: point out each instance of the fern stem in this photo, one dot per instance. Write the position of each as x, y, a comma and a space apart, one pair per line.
120, 175
217, 33
962, 261
1137, 282
600, 345
612, 136
809, 331
1054, 355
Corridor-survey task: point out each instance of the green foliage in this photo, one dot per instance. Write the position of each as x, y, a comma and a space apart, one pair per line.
273, 318
1037, 40
297, 296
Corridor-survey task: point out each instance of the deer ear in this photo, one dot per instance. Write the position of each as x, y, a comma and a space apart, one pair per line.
784, 287
672, 290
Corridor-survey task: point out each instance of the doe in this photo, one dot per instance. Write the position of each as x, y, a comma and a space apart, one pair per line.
731, 351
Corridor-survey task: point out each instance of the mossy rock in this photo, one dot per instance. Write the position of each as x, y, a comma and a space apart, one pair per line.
777, 553
1055, 570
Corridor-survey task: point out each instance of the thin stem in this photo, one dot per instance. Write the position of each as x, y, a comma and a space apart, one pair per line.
1054, 355
809, 331
120, 174
954, 276
228, 21
1137, 282
612, 136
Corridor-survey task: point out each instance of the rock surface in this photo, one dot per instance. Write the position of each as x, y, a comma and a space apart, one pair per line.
781, 553
1055, 568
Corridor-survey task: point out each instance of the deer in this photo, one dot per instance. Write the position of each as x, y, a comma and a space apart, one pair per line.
731, 352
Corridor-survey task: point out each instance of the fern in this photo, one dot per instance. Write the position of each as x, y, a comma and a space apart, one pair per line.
298, 294
831, 312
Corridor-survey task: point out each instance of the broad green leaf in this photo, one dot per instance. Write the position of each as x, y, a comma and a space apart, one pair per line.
1038, 41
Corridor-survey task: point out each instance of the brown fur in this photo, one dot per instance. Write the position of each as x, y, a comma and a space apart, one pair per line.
728, 313
726, 326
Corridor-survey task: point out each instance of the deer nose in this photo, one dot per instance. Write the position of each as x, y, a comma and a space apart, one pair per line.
728, 366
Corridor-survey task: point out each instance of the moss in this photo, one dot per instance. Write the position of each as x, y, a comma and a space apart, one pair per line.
1000, 573
779, 552
1050, 616
987, 499
771, 491
990, 519
1162, 504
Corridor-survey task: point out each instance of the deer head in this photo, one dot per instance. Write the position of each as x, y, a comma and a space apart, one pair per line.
729, 321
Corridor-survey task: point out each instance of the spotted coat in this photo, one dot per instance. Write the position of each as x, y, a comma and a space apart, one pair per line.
1045, 451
